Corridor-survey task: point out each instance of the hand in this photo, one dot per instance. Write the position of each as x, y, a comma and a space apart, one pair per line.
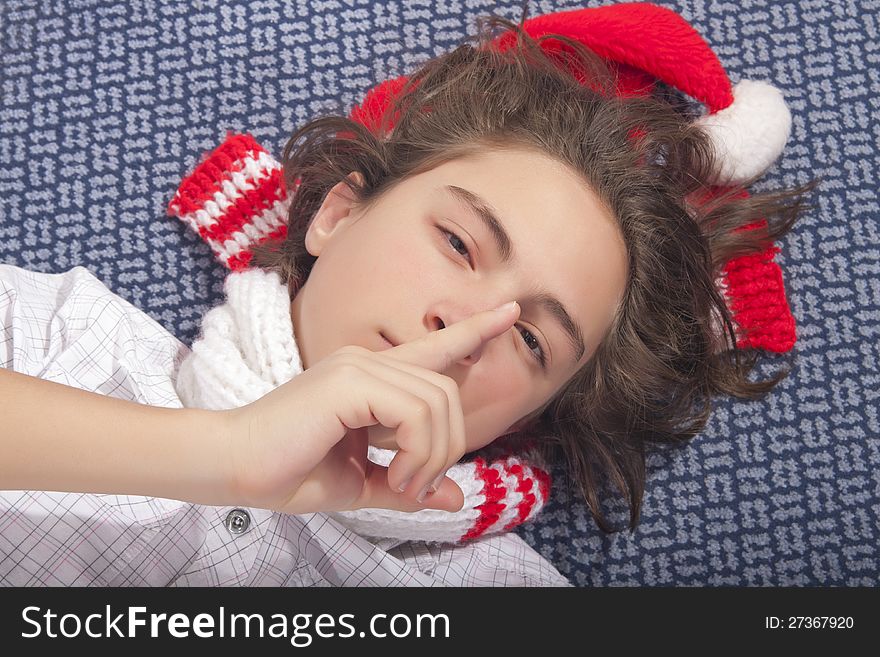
303, 447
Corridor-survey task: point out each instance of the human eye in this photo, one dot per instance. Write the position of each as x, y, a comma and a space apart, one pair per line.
540, 355
456, 238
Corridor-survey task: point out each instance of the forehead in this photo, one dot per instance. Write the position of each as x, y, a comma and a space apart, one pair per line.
564, 238
528, 184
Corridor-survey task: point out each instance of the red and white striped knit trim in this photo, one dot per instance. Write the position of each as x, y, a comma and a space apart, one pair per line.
234, 199
500, 493
513, 492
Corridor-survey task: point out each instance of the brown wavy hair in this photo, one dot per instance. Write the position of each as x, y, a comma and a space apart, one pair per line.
672, 344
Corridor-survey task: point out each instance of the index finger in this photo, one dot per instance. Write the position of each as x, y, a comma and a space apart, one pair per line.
438, 350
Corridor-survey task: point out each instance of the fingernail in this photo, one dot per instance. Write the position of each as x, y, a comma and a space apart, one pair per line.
403, 486
435, 485
423, 494
506, 307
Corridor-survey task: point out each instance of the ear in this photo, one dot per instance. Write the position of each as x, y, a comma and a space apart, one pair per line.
334, 214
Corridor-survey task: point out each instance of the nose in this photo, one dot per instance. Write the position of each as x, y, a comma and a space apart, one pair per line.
474, 357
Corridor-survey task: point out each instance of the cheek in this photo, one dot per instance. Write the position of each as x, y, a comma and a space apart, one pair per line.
370, 268
496, 396
398, 260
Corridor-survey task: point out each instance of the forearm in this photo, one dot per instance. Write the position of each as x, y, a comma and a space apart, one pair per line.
60, 438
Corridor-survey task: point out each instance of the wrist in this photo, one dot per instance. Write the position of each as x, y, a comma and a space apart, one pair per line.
202, 458
219, 432
235, 458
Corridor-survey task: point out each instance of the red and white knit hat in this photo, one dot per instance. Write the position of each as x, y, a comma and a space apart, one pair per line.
748, 123
236, 197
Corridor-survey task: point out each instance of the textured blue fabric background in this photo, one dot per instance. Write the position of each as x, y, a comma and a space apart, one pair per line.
106, 105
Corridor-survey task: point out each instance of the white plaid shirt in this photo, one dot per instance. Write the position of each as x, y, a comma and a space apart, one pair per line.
71, 329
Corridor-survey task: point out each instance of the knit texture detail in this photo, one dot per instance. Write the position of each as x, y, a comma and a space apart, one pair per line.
234, 199
246, 346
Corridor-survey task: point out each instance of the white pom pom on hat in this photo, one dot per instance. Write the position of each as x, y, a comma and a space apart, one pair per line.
750, 133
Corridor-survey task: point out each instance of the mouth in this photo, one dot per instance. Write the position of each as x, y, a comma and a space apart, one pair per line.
389, 342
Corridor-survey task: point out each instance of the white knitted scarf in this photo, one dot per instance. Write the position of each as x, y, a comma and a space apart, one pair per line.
247, 348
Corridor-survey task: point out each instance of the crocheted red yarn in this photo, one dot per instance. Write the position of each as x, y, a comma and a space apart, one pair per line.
491, 509
220, 168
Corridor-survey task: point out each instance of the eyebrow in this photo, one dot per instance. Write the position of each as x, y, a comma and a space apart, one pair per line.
488, 215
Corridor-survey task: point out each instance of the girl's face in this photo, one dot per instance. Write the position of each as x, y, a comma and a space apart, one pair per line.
421, 259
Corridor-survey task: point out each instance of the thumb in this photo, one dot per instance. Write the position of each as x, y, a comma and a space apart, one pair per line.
378, 494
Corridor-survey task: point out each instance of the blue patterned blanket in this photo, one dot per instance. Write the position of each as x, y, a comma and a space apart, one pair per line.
105, 106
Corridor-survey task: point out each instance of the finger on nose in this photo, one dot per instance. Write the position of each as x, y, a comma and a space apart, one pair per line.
440, 349
467, 337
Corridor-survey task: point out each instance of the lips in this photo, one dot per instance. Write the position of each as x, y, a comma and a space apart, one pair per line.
389, 341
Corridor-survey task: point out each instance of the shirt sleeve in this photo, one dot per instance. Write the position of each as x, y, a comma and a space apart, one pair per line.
71, 329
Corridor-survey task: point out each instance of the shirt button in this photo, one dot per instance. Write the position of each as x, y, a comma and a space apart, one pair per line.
238, 521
